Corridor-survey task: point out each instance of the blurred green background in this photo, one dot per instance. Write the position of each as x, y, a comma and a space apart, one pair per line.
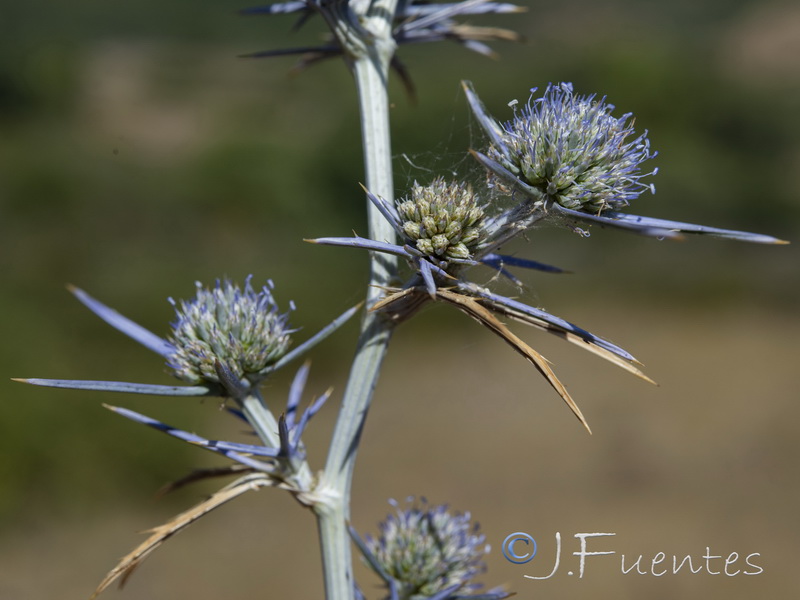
139, 154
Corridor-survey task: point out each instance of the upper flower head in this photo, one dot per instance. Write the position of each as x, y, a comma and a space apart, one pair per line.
574, 151
414, 22
428, 551
239, 328
442, 219
568, 153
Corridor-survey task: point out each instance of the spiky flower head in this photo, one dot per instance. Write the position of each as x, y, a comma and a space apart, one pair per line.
575, 152
427, 549
413, 22
240, 328
442, 219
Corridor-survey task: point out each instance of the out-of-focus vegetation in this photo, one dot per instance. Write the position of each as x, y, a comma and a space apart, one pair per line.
139, 154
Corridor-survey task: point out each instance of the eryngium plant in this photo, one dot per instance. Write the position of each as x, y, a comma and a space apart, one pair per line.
563, 155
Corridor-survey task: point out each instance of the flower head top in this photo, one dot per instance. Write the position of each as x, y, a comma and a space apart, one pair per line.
442, 219
428, 552
574, 151
240, 328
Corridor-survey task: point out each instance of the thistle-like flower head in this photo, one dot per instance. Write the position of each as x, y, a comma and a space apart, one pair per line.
573, 150
428, 551
225, 342
568, 153
442, 219
240, 328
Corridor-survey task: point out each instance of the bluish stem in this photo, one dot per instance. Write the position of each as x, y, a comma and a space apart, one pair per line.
369, 59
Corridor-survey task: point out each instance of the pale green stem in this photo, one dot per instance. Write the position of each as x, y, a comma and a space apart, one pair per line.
261, 419
264, 424
369, 58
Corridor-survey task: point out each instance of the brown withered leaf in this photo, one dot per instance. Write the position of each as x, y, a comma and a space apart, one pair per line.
570, 337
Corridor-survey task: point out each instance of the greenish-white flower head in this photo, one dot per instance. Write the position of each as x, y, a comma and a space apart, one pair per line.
442, 219
240, 328
574, 151
427, 549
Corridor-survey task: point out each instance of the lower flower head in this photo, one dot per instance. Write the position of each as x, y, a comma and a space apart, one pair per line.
575, 152
442, 219
240, 328
427, 549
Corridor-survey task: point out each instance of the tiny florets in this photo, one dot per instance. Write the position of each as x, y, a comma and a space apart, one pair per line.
240, 328
427, 549
575, 152
442, 219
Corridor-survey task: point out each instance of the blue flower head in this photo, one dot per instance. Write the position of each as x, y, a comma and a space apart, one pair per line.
240, 328
568, 156
224, 342
574, 151
426, 552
